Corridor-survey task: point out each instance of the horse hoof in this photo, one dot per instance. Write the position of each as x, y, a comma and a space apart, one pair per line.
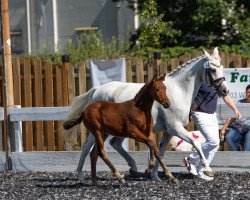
134, 173
80, 177
208, 173
122, 176
155, 178
148, 173
94, 183
175, 181
122, 181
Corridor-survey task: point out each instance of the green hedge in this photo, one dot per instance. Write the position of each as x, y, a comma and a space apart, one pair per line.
91, 46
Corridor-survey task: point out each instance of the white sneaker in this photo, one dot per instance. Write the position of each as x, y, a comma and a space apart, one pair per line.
190, 166
205, 177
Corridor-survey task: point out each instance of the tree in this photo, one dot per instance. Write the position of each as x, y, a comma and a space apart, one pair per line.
207, 22
194, 23
153, 29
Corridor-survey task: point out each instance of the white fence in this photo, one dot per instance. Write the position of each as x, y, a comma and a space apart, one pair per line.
17, 115
67, 161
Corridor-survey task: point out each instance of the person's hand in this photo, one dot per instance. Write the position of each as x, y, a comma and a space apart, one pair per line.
222, 132
237, 113
222, 135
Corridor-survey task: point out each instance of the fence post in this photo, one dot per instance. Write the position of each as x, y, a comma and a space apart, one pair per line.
65, 61
18, 134
248, 63
157, 61
7, 75
68, 141
1, 126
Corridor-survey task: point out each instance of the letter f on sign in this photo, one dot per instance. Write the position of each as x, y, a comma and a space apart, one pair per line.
234, 77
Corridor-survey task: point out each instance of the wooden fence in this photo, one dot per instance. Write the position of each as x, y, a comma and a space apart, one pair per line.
44, 84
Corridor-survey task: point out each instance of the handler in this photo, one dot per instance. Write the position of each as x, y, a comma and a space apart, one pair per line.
205, 118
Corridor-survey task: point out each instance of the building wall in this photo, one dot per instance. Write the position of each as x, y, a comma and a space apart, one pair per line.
111, 18
18, 23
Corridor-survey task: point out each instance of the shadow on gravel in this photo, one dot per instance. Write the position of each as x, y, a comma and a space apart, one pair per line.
58, 185
54, 180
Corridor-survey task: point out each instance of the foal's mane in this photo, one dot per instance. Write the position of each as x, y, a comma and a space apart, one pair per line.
139, 96
184, 65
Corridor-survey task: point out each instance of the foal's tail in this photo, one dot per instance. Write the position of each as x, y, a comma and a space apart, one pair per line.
72, 122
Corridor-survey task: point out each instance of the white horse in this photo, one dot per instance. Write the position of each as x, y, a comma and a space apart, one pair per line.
182, 85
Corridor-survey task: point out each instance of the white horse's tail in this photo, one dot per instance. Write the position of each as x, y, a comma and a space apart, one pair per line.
80, 102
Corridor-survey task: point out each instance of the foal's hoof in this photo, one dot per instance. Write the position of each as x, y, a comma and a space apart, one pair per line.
148, 173
94, 183
122, 181
209, 173
175, 181
134, 173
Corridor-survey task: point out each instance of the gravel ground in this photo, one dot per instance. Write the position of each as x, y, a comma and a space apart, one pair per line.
65, 186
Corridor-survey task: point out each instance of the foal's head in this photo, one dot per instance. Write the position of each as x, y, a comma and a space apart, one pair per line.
159, 91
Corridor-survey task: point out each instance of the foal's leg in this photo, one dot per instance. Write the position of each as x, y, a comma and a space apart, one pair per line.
139, 136
151, 161
116, 143
85, 150
150, 141
104, 156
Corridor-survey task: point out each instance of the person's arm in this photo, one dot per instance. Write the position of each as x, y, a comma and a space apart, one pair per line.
227, 123
227, 99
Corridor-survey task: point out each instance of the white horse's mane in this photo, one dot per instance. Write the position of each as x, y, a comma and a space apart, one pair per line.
188, 63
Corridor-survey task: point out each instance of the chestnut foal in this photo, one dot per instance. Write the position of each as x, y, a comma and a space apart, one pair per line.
130, 119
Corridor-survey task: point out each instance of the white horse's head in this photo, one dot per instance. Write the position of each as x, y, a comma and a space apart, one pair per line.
214, 72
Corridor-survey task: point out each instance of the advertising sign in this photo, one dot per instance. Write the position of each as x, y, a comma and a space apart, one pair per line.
237, 80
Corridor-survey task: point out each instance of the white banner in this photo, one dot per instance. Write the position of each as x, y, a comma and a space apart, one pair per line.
104, 71
237, 80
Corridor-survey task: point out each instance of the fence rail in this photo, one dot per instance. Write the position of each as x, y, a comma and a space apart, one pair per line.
44, 84
39, 114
